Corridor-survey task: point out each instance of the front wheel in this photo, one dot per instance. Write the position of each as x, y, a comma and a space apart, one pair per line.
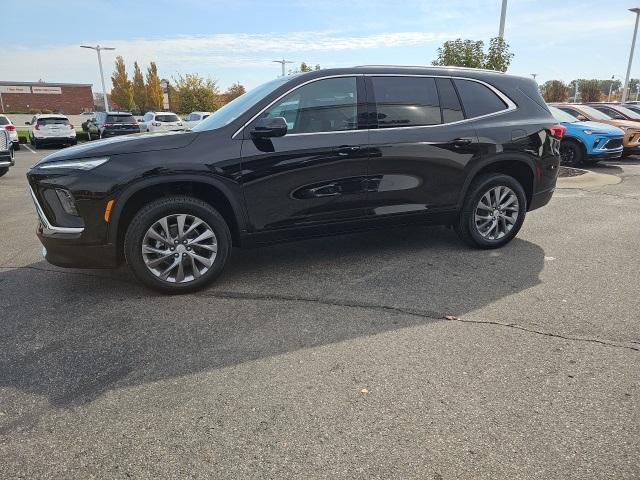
571, 154
177, 244
493, 211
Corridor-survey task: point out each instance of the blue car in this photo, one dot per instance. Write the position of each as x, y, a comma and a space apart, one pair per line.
587, 142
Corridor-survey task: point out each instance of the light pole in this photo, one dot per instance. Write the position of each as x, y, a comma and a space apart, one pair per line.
503, 15
610, 88
575, 98
633, 45
282, 62
97, 48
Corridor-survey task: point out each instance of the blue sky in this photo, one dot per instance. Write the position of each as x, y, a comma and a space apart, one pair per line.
236, 40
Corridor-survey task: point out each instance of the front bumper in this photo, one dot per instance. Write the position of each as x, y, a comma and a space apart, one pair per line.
64, 246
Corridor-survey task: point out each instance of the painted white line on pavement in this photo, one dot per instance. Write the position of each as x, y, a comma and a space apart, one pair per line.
28, 148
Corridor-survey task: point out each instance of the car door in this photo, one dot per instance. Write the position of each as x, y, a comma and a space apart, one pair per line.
420, 144
316, 172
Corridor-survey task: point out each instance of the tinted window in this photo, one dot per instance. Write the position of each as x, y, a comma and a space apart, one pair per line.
328, 105
53, 121
167, 118
611, 112
120, 119
4, 120
406, 101
478, 99
449, 102
570, 111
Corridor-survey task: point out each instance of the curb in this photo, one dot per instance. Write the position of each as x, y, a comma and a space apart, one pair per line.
588, 179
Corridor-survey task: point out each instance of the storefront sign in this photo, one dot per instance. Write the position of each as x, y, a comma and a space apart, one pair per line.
14, 89
47, 90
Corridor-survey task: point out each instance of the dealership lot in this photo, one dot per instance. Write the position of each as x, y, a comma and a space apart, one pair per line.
333, 357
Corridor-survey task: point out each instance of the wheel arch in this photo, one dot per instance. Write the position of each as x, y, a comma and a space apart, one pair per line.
524, 171
212, 191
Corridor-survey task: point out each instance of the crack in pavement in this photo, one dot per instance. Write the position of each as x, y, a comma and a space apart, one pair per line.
426, 314
430, 315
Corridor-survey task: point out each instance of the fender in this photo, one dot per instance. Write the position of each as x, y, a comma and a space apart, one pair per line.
239, 209
479, 165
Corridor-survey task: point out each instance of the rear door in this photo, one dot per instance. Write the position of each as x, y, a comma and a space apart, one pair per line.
420, 143
316, 173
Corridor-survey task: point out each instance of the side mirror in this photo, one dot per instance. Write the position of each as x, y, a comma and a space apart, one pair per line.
269, 127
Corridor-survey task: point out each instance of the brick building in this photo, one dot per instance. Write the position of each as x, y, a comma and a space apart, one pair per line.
24, 97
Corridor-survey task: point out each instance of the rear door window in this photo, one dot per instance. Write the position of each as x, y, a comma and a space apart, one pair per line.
406, 101
478, 99
449, 101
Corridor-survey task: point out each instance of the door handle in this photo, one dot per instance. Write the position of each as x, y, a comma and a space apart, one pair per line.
461, 142
345, 150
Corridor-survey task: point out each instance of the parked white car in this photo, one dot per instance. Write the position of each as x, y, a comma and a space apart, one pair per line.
195, 118
161, 122
6, 152
53, 128
8, 126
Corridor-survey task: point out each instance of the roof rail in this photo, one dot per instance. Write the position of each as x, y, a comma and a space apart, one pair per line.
433, 66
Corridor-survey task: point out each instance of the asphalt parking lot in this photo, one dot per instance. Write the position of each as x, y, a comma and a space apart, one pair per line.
332, 358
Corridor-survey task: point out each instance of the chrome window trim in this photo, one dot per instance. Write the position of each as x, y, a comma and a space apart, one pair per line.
48, 227
511, 106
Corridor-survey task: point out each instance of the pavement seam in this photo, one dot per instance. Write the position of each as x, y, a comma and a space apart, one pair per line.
431, 315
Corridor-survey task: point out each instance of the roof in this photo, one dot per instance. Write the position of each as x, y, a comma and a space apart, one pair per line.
46, 84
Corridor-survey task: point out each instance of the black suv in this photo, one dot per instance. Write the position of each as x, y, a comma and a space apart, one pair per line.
308, 155
110, 124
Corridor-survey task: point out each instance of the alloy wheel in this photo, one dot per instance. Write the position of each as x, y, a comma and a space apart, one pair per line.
179, 248
496, 213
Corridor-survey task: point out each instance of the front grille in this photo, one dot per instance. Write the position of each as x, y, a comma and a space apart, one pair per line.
613, 143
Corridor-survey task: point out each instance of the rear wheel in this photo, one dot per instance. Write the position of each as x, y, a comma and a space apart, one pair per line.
177, 244
3, 171
493, 211
571, 153
35, 142
16, 146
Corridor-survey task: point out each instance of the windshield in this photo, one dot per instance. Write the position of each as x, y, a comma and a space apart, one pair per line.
628, 112
594, 114
561, 116
232, 110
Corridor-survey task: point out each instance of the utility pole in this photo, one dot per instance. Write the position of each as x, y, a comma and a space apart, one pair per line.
633, 46
503, 15
97, 48
282, 62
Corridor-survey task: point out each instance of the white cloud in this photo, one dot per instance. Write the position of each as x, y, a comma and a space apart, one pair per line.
197, 53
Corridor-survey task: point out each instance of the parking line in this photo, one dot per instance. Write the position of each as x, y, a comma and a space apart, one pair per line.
28, 148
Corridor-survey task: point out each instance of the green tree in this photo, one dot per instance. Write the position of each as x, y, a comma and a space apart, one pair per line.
305, 68
139, 89
122, 91
233, 92
498, 56
470, 53
555, 91
589, 90
154, 89
194, 93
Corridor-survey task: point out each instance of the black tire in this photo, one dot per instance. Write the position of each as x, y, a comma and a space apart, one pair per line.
3, 171
466, 227
31, 141
571, 153
174, 205
36, 144
16, 146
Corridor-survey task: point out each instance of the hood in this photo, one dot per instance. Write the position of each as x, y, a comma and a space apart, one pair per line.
598, 127
136, 143
625, 124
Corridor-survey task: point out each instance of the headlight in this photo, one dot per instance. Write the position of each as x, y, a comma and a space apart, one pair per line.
79, 164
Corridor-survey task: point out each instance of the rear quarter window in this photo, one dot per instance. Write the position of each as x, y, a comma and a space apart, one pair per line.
478, 99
